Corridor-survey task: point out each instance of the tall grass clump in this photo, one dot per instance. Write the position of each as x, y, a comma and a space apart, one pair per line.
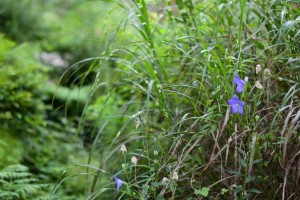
197, 100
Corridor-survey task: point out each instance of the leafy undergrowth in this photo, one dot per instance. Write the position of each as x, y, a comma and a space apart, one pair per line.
184, 99
212, 112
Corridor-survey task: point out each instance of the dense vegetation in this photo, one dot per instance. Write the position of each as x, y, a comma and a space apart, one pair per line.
136, 99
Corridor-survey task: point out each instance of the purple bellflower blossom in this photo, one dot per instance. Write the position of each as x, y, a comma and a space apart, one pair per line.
240, 84
119, 183
236, 105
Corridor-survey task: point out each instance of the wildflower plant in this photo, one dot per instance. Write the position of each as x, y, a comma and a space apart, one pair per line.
237, 106
179, 83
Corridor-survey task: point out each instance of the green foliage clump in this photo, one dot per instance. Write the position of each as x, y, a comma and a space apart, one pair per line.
19, 24
22, 79
30, 136
10, 155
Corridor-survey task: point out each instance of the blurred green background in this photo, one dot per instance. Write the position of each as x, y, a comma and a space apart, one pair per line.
40, 108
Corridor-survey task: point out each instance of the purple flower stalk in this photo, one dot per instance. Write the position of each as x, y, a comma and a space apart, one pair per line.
119, 183
236, 105
240, 84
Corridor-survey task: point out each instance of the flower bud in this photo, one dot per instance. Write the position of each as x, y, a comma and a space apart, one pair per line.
165, 181
175, 176
123, 148
134, 160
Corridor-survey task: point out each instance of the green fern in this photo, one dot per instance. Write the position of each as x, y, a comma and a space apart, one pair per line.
18, 183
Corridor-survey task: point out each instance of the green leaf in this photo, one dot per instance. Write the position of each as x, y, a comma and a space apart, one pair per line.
203, 192
224, 190
252, 190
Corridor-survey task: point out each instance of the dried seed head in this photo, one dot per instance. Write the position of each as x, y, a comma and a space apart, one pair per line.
134, 160
123, 148
175, 176
165, 181
258, 85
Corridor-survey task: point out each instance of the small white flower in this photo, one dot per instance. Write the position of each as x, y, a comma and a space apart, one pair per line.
134, 160
258, 68
175, 176
246, 78
258, 85
165, 181
123, 148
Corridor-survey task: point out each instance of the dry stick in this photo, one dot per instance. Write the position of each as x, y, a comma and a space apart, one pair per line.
180, 140
222, 129
252, 154
182, 157
226, 147
289, 132
225, 120
216, 145
286, 138
235, 153
287, 173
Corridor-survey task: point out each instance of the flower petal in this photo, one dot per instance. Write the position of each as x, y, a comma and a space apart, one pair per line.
240, 84
235, 97
234, 108
242, 103
232, 102
241, 109
237, 79
119, 183
237, 106
240, 88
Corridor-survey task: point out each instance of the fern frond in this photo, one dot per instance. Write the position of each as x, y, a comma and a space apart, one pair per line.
18, 183
16, 168
8, 195
14, 175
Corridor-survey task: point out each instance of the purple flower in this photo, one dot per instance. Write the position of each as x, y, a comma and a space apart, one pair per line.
240, 83
236, 105
119, 183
